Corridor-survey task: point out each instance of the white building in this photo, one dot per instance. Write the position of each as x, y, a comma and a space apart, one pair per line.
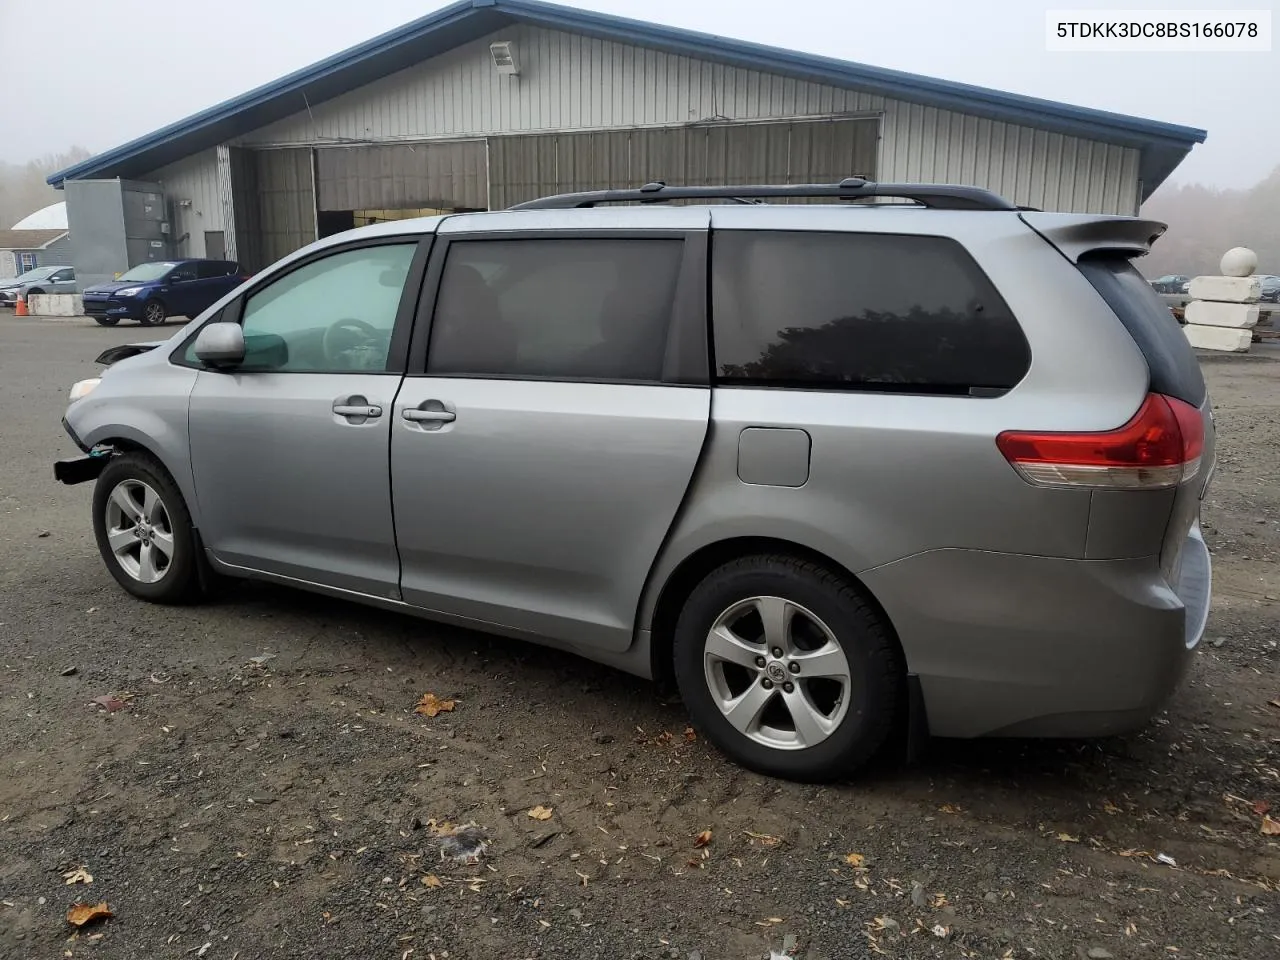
489, 102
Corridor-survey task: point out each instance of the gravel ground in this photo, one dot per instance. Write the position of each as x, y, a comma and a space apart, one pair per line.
288, 806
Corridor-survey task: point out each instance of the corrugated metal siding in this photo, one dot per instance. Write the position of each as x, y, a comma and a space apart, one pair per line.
196, 179
286, 199
533, 165
572, 83
403, 176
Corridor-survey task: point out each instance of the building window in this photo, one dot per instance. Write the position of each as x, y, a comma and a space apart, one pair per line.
849, 311
26, 261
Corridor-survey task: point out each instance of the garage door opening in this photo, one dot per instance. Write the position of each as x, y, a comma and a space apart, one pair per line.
330, 222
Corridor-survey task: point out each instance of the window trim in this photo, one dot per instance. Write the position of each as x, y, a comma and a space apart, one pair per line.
885, 389
397, 351
688, 359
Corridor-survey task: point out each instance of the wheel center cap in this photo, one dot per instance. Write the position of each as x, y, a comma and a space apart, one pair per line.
775, 671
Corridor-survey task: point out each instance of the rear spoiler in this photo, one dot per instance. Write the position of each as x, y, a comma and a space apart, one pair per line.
1076, 235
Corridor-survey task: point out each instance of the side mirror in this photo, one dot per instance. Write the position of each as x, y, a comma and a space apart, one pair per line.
220, 345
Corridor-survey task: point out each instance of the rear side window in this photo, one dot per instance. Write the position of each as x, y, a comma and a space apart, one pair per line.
860, 312
1175, 372
208, 269
559, 309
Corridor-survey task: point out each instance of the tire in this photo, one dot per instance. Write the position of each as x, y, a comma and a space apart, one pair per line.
107, 321
845, 721
153, 312
33, 292
123, 490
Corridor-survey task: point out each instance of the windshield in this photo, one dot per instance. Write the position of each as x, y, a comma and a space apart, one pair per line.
148, 271
39, 273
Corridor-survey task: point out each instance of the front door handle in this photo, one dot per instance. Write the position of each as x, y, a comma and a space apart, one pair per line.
357, 408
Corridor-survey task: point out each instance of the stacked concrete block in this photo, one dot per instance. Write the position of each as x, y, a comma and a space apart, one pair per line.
1223, 310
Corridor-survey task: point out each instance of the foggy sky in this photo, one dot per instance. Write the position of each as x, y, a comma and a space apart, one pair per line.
100, 73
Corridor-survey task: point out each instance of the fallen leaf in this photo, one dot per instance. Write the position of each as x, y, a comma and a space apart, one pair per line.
941, 932
109, 702
690, 735
262, 658
1270, 828
431, 881
431, 705
1068, 838
540, 812
949, 808
1110, 807
78, 875
763, 838
1262, 808
82, 913
854, 859
702, 839
1167, 860
1273, 703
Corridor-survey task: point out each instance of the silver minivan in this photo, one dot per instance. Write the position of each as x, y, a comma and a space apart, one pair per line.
847, 471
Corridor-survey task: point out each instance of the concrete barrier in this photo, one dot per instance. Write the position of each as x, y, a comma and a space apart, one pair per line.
55, 305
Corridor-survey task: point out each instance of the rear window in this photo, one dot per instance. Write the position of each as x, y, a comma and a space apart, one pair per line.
1175, 372
213, 268
850, 311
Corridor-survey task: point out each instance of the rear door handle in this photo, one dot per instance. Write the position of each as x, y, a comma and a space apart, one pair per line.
414, 415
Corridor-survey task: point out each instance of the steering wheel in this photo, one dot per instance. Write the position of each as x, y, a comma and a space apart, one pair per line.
335, 345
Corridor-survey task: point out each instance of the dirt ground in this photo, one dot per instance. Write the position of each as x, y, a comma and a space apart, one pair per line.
286, 806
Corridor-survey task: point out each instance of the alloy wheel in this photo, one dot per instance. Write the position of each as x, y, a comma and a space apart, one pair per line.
777, 673
139, 531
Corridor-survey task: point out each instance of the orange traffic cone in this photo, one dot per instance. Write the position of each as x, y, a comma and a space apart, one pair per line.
20, 306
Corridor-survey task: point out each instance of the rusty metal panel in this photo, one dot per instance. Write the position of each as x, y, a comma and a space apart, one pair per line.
286, 202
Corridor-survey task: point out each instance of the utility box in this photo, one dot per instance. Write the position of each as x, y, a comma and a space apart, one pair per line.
115, 224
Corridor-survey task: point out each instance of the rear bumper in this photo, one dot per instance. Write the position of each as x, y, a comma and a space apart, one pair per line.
1010, 645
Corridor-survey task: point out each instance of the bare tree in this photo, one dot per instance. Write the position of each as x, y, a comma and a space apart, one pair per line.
22, 186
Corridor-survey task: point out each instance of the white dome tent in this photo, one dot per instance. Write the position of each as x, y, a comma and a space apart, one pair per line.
52, 217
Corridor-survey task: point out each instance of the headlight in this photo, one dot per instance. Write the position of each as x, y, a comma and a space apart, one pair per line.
129, 292
83, 388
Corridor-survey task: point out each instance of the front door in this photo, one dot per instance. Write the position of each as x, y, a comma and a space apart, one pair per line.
540, 455
289, 451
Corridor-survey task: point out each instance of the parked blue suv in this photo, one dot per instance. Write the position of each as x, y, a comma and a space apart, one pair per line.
152, 291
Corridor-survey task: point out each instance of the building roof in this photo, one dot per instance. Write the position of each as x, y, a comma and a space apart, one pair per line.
29, 239
52, 217
1162, 145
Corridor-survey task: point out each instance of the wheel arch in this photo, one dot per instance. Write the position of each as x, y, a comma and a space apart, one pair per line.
124, 440
690, 571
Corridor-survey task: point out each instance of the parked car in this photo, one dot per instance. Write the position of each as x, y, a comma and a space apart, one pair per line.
1172, 283
1270, 289
56, 279
153, 291
796, 457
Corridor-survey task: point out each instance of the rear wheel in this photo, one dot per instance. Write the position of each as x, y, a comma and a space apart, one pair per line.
787, 668
144, 530
153, 312
107, 321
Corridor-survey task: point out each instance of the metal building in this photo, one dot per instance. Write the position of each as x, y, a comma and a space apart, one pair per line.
489, 102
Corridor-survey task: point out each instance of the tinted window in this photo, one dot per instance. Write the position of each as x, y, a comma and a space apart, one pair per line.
559, 309
182, 272
859, 311
1175, 371
207, 269
333, 314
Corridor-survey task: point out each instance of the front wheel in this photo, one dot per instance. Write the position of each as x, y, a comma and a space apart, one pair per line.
144, 530
787, 668
153, 312
107, 321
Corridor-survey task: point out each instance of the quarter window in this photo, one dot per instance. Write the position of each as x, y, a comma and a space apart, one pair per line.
331, 315
859, 311
571, 309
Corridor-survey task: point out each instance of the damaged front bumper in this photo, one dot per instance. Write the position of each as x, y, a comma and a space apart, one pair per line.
81, 469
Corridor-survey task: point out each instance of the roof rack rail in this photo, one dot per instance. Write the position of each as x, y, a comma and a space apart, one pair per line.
939, 196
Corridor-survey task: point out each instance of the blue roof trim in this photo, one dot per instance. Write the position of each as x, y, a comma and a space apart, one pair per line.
1162, 145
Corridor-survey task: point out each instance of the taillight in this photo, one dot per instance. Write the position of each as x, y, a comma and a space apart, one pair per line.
1160, 447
